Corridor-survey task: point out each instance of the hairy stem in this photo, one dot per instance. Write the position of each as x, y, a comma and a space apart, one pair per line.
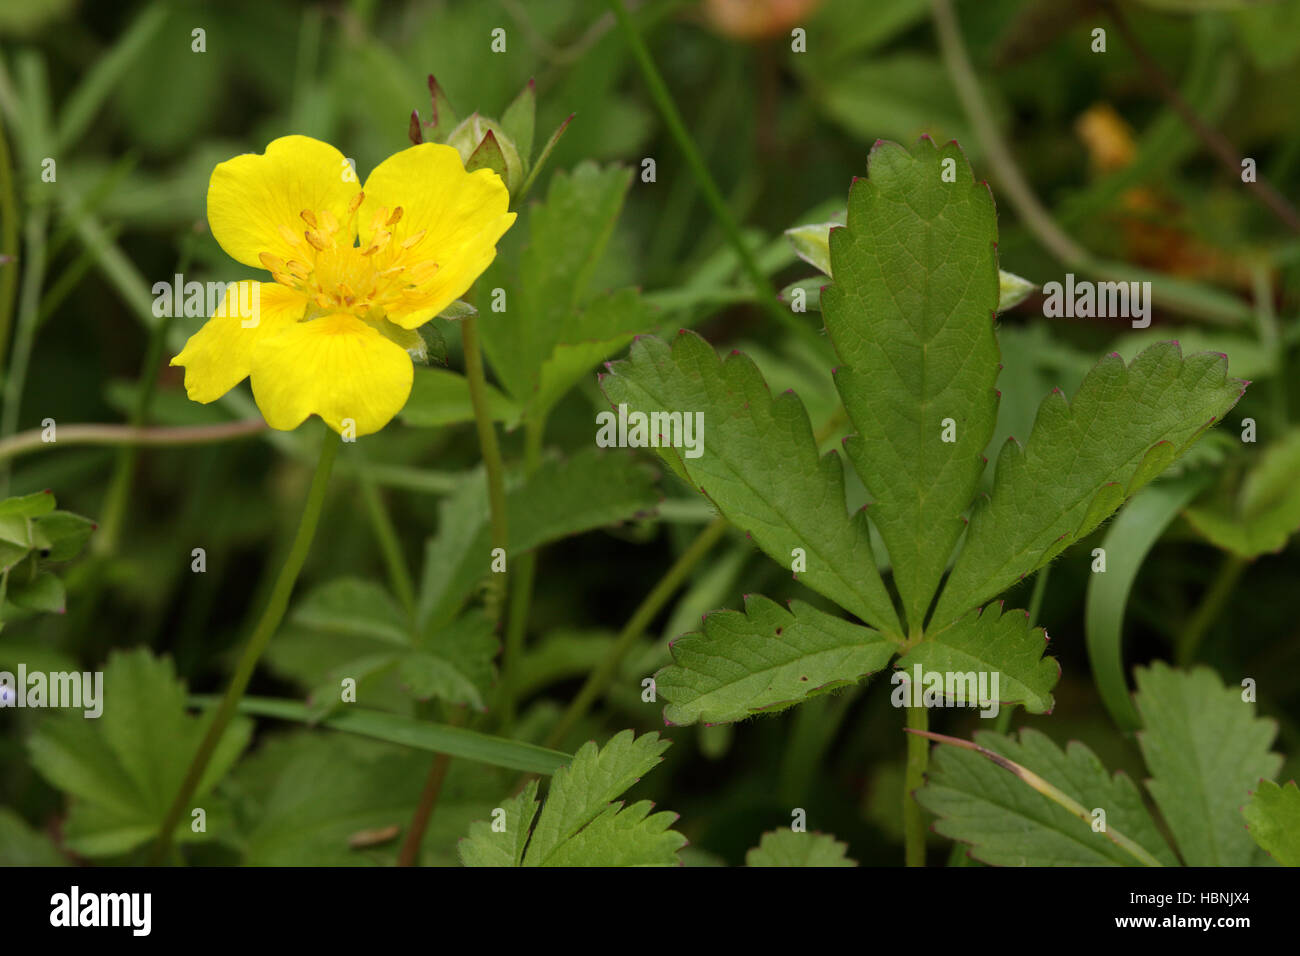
276, 605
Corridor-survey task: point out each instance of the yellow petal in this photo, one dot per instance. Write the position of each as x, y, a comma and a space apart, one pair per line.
255, 200
451, 217
219, 355
337, 367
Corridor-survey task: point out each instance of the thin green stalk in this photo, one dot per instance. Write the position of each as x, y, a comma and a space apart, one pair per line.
113, 511
600, 678
8, 243
476, 376
266, 627
409, 854
32, 440
386, 537
1270, 337
712, 196
1209, 610
492, 464
1169, 292
918, 757
25, 335
521, 589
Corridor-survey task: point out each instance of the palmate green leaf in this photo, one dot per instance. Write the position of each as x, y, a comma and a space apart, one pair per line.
447, 661
579, 825
502, 847
1008, 823
787, 848
911, 317
594, 334
766, 659
1273, 818
123, 769
1125, 425
1205, 750
353, 606
759, 466
1266, 511
989, 641
552, 332
564, 497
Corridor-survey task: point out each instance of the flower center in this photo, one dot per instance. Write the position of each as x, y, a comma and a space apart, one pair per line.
385, 277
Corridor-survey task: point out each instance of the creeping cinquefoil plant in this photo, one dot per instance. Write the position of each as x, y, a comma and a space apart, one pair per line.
910, 314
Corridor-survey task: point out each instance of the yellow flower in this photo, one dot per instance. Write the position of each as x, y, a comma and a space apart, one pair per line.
323, 338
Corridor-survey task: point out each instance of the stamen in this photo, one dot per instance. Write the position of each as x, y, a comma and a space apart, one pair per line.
412, 240
272, 263
328, 223
395, 217
309, 218
316, 240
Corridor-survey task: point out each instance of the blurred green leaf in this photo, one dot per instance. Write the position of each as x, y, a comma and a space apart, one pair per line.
1273, 818
1205, 748
123, 770
784, 847
1266, 510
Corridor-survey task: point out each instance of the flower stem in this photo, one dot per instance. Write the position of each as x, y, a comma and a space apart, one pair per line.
8, 244
476, 376
599, 679
487, 436
25, 334
266, 627
386, 537
918, 756
521, 589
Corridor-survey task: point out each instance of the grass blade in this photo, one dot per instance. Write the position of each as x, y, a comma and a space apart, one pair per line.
409, 732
